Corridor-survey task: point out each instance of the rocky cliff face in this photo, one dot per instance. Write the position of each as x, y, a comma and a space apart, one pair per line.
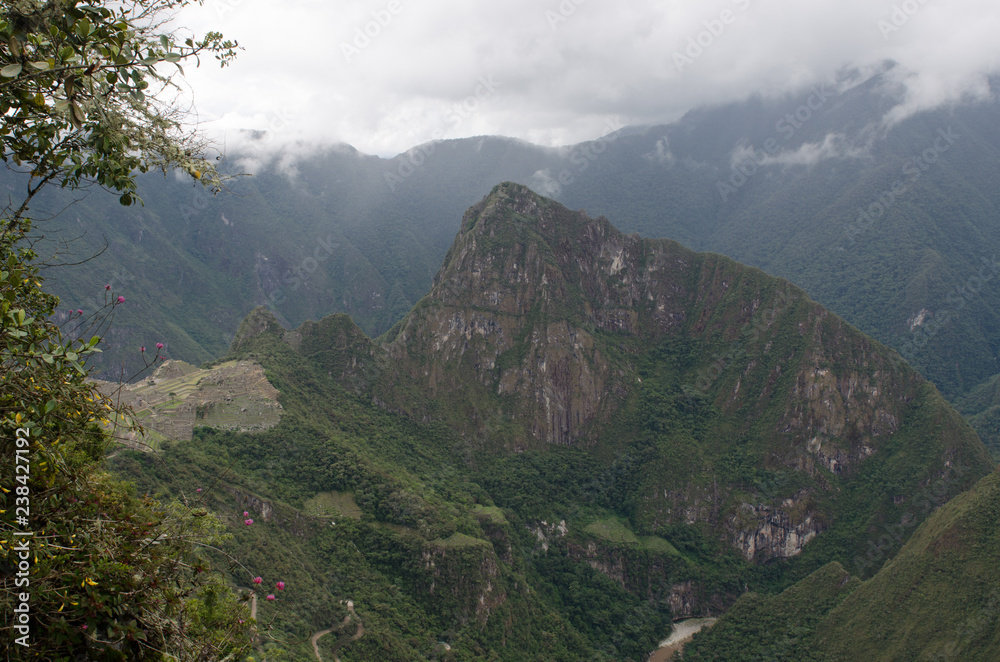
532, 295
537, 323
464, 576
755, 411
524, 293
764, 532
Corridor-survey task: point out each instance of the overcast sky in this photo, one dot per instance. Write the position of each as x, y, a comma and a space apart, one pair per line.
385, 75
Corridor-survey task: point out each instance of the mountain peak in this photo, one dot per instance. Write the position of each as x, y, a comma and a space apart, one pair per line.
259, 322
518, 250
516, 204
545, 326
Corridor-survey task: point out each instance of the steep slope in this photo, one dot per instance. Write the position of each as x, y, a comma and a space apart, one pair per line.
329, 234
575, 437
369, 517
737, 402
889, 228
936, 600
723, 398
776, 627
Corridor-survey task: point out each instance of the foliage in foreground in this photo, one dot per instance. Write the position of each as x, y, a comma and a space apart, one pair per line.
107, 573
90, 569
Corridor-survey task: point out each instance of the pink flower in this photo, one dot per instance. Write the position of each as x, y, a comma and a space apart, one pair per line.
248, 522
159, 345
270, 596
121, 299
198, 490
142, 349
79, 312
107, 287
246, 514
280, 586
257, 580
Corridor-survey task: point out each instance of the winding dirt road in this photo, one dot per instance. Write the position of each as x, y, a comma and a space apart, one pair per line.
358, 633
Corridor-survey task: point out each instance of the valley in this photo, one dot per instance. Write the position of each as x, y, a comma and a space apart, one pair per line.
571, 417
443, 332
918, 275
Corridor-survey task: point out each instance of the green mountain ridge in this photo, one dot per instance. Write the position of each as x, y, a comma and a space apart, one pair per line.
935, 600
574, 438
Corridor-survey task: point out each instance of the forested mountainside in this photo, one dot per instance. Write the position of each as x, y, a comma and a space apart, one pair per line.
327, 236
936, 600
892, 228
575, 437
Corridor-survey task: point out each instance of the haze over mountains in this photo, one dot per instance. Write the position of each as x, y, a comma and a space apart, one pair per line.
574, 438
893, 228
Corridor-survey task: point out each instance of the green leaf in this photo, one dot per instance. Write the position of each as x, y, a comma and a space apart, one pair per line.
77, 116
83, 27
11, 70
50, 405
41, 65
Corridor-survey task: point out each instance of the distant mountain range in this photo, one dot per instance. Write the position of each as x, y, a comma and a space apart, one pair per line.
894, 228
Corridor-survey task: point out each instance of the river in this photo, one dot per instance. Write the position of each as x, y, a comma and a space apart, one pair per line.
683, 632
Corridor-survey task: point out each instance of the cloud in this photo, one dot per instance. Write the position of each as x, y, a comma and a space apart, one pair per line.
545, 183
384, 75
661, 154
833, 146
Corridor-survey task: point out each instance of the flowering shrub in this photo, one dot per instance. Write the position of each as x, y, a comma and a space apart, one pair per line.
112, 574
